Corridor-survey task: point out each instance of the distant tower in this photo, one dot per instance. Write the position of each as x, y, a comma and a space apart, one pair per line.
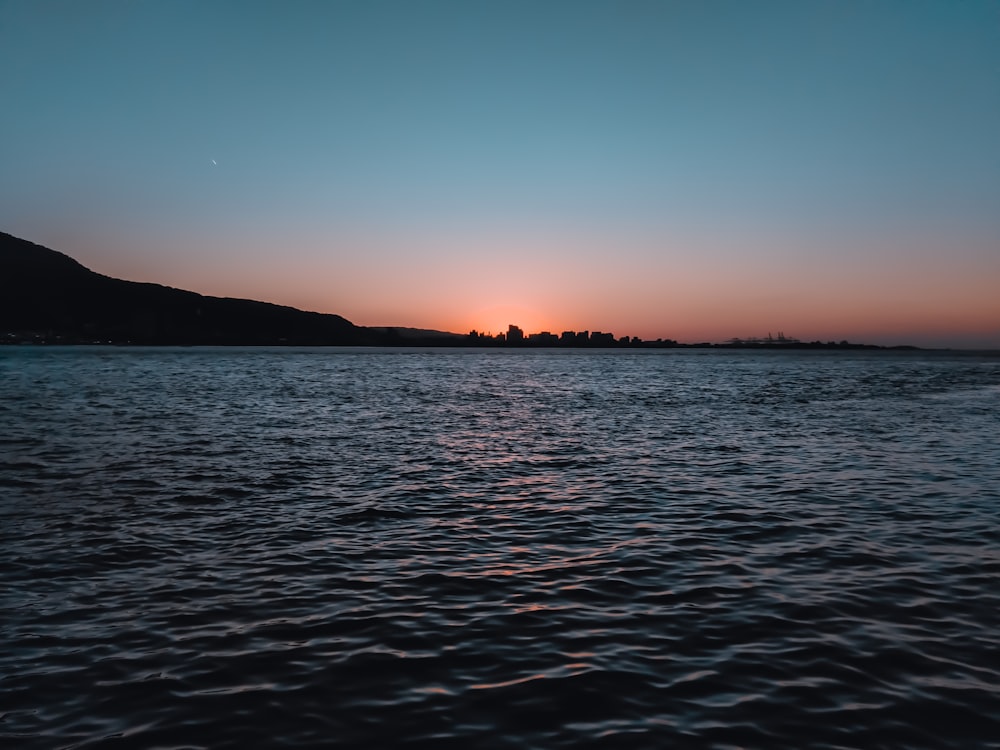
514, 334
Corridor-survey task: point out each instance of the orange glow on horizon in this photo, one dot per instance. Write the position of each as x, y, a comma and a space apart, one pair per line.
687, 291
494, 319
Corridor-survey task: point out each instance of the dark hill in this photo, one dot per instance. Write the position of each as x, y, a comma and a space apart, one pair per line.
45, 295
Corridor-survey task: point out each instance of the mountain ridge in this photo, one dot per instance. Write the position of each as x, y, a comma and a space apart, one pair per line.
48, 295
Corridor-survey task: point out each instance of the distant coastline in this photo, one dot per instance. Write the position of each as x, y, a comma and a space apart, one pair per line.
47, 297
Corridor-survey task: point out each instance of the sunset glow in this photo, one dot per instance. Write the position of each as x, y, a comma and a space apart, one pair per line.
674, 171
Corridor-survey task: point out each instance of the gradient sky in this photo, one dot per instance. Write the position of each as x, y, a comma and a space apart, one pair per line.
694, 170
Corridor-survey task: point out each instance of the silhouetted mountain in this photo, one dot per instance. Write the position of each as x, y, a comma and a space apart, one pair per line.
403, 336
49, 296
46, 296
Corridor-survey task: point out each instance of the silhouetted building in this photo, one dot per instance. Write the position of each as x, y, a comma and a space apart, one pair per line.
543, 339
514, 334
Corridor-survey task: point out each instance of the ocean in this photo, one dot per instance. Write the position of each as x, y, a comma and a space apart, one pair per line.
378, 548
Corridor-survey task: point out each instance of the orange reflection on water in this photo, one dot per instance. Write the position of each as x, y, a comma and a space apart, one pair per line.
562, 672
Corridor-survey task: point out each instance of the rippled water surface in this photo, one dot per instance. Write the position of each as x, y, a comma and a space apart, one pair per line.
498, 549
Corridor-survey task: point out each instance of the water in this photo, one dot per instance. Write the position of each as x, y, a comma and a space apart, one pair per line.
498, 549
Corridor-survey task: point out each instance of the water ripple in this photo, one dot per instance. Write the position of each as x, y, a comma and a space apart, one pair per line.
497, 549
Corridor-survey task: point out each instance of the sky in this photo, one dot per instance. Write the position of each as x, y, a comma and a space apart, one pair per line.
687, 169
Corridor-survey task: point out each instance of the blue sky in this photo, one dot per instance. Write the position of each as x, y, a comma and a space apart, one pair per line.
681, 169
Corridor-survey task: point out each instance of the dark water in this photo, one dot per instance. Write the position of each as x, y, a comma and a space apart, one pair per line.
498, 549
